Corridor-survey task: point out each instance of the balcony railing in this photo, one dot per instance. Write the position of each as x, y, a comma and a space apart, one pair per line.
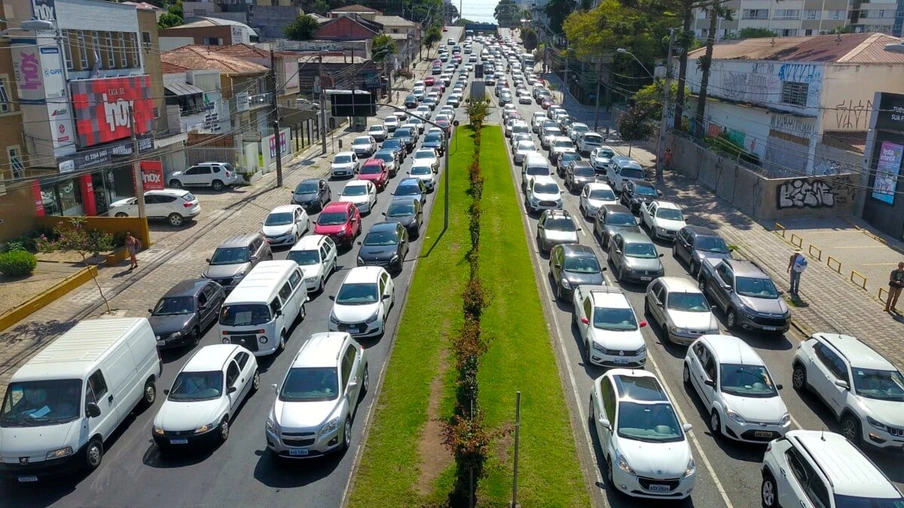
263, 99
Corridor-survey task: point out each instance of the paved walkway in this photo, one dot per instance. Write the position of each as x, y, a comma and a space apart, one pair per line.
829, 301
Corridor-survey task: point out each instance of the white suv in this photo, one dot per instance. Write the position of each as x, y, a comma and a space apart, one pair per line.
174, 205
816, 468
363, 302
317, 400
206, 174
643, 443
543, 193
863, 389
608, 327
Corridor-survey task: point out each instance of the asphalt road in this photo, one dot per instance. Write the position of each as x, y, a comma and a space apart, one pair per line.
241, 472
728, 473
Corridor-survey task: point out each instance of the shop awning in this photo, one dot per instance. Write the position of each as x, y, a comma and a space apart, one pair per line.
182, 88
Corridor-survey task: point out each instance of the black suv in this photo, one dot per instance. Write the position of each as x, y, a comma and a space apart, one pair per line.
693, 244
637, 193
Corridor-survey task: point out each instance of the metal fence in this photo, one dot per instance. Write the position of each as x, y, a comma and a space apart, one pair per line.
194, 155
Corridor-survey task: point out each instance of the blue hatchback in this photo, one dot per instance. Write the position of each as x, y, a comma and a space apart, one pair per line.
411, 188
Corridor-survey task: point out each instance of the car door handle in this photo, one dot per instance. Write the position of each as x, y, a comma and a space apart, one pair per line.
110, 398
782, 471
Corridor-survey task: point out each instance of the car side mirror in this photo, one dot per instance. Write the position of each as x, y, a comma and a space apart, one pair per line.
710, 383
353, 383
687, 427
658, 192
359, 243
92, 410
166, 391
780, 292
275, 388
581, 229
840, 383
604, 423
386, 297
585, 321
779, 386
232, 389
150, 311
661, 254
278, 312
207, 260
253, 258
643, 324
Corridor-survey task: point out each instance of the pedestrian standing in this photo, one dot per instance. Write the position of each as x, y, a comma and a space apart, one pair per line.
132, 245
895, 284
668, 159
796, 266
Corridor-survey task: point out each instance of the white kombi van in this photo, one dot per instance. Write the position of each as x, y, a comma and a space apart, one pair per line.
62, 405
262, 308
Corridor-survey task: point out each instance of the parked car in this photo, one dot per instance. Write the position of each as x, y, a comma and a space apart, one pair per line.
184, 312
341, 221
622, 170
390, 160
411, 101
578, 174
663, 219
363, 302
312, 194
564, 159
406, 136
559, 145
693, 244
521, 150
378, 132
345, 164
285, 225
542, 193
361, 193
863, 390
411, 187
204, 398
595, 195
217, 175
746, 295
634, 258
611, 220
386, 245
397, 146
575, 130
636, 420
572, 265
235, 257
547, 134
391, 123
318, 398
556, 227
174, 205
317, 255
589, 141
375, 170
435, 141
608, 327
678, 306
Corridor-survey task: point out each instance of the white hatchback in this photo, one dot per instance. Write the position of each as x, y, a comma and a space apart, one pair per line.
363, 301
317, 257
363, 193
285, 225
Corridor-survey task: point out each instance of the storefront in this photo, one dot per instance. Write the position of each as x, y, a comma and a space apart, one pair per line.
883, 205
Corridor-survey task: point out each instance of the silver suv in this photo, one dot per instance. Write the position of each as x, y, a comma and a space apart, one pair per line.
235, 257
556, 227
217, 175
745, 294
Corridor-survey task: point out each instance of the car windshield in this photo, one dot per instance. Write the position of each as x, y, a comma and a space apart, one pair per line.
756, 287
644, 190
407, 190
174, 305
620, 320
401, 133
560, 224
230, 256
569, 156
711, 244
306, 188
546, 188
361, 141
592, 140
390, 119
371, 169
688, 302
376, 128
332, 218
424, 155
310, 384
434, 137
621, 219
278, 219
244, 314
39, 403
357, 294
602, 194
194, 386
526, 146
605, 153
304, 257
746, 381
582, 264
400, 209
641, 250
421, 170
537, 170
669, 214
634, 173
654, 423
879, 384
381, 238
584, 171
385, 156
343, 159
354, 190
866, 502
392, 144
563, 143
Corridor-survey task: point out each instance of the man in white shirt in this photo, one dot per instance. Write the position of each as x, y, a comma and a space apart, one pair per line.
796, 266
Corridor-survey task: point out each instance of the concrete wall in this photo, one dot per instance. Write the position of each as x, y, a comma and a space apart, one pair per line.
17, 210
847, 101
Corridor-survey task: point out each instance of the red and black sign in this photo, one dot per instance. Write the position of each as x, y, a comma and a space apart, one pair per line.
102, 108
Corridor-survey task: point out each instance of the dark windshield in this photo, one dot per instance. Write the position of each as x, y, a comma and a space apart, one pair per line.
582, 264
538, 170
381, 238
879, 384
421, 170
392, 144
688, 302
310, 384
569, 156
371, 169
711, 244
562, 143
332, 218
423, 154
634, 173
361, 141
407, 190
546, 188
621, 219
644, 190
357, 294
244, 315
867, 502
401, 133
604, 152
669, 214
756, 287
400, 209
354, 190
278, 219
621, 320
602, 194
194, 386
385, 156
560, 224
584, 171
306, 188
38, 403
230, 256
304, 257
433, 137
592, 140
342, 159
747, 381
655, 423
174, 305
640, 250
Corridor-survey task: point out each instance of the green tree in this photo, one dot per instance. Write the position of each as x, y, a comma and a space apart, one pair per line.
529, 38
74, 236
317, 6
610, 26
648, 100
302, 28
755, 33
558, 10
507, 14
634, 126
451, 13
382, 47
172, 17
433, 35
464, 21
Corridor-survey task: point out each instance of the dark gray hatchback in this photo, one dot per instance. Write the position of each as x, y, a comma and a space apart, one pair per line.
185, 311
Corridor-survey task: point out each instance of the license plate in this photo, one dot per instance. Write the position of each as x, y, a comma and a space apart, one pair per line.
178, 441
646, 278
770, 328
762, 433
27, 479
352, 329
161, 342
298, 452
659, 488
621, 360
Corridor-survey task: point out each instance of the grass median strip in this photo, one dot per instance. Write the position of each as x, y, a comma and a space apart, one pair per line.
520, 356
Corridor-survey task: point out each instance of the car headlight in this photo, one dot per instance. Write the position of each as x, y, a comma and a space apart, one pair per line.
226, 340
642, 350
598, 347
785, 419
178, 334
310, 279
661, 231
59, 453
263, 339
675, 329
735, 416
334, 319
623, 463
272, 426
373, 318
394, 258
559, 202
566, 284
360, 260
691, 468
330, 425
877, 424
206, 428
158, 431
341, 232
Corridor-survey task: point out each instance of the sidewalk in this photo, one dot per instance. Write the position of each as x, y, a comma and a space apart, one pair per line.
831, 303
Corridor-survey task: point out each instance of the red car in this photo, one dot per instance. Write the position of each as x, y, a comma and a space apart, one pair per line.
375, 170
341, 221
547, 102
439, 87
445, 29
429, 81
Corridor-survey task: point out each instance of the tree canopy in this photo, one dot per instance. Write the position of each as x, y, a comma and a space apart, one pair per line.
172, 17
302, 28
507, 14
382, 47
558, 10
529, 39
610, 26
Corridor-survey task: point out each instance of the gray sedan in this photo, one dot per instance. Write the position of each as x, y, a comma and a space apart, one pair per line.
680, 309
634, 258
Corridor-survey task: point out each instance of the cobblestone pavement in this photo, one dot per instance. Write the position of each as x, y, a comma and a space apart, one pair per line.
830, 303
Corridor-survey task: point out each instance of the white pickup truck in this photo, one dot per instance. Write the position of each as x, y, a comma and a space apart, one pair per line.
662, 219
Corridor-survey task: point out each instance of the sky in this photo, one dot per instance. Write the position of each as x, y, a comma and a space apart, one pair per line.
477, 10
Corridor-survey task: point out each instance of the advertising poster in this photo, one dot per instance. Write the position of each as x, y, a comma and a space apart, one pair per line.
102, 108
283, 145
152, 175
887, 170
272, 140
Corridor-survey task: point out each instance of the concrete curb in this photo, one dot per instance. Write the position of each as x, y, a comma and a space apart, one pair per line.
47, 297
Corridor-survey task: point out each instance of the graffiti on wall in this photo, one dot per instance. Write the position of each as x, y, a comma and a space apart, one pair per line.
853, 116
792, 124
753, 86
800, 73
815, 192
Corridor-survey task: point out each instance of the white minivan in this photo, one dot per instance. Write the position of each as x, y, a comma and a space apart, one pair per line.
63, 404
262, 308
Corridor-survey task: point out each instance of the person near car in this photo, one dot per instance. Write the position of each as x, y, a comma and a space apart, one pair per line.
132, 245
895, 284
796, 266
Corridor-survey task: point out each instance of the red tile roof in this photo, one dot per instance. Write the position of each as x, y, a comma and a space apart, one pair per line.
844, 48
207, 57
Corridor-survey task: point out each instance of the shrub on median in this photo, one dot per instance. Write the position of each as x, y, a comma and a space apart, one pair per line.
17, 263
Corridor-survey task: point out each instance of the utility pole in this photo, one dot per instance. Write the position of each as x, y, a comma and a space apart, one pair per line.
136, 166
599, 81
660, 156
275, 104
322, 107
565, 76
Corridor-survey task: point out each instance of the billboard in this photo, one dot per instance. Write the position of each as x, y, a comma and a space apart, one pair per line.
152, 175
102, 108
887, 169
45, 10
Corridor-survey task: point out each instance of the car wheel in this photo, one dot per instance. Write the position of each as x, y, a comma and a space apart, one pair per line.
768, 491
618, 273
605, 243
121, 214
590, 413
282, 342
686, 375
799, 378
609, 480
195, 336
94, 453
715, 423
850, 428
694, 269
270, 257
217, 185
176, 220
175, 184
224, 429
559, 295
675, 250
365, 383
347, 433
322, 284
149, 395
731, 319
256, 381
646, 306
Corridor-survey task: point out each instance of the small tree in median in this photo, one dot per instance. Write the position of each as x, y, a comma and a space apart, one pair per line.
634, 126
76, 237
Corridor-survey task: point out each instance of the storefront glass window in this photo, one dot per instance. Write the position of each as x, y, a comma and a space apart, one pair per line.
70, 197
49, 197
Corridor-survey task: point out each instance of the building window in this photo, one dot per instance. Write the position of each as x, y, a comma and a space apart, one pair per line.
811, 14
786, 14
808, 31
123, 59
787, 32
146, 40
755, 14
96, 51
111, 56
82, 50
795, 94
135, 54
15, 162
67, 48
213, 41
6, 103
837, 14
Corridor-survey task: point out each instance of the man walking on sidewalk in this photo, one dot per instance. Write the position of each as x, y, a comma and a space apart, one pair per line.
895, 284
796, 266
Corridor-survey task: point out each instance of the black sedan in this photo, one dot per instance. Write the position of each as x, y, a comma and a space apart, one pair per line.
407, 212
312, 194
571, 265
577, 174
405, 136
386, 244
185, 311
398, 147
637, 192
435, 141
694, 244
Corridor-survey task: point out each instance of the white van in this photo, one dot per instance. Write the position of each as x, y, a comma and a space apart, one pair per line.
65, 402
535, 164
262, 308
621, 169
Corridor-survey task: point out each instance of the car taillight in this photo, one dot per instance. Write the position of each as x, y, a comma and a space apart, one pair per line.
188, 204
